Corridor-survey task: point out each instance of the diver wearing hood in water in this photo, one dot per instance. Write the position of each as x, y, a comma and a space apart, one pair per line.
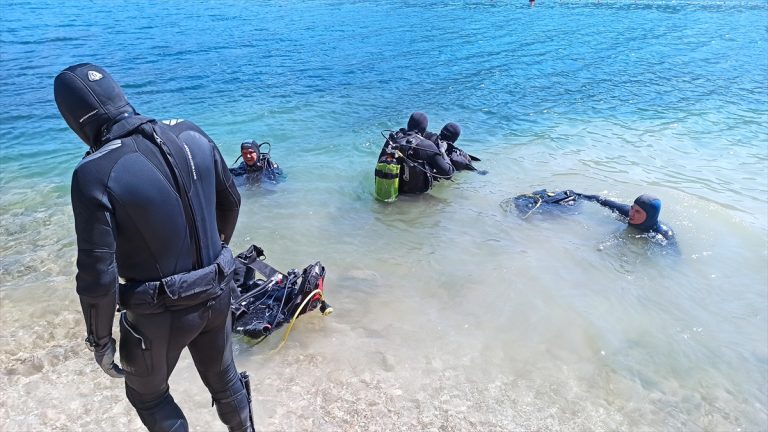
421, 160
446, 140
418, 123
152, 204
642, 215
256, 164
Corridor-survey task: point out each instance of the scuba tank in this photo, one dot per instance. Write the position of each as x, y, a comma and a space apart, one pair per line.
387, 179
387, 174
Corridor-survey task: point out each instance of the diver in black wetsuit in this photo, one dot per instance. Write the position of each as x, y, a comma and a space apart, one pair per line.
422, 162
642, 215
460, 159
152, 204
445, 141
255, 164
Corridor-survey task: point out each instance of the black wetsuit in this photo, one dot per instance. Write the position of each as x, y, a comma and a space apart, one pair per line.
460, 159
152, 203
265, 169
446, 140
244, 169
623, 209
431, 136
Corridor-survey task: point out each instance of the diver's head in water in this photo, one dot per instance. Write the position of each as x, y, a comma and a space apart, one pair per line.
450, 132
644, 212
90, 101
418, 122
249, 150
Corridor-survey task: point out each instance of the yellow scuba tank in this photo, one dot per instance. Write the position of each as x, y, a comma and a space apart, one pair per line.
387, 178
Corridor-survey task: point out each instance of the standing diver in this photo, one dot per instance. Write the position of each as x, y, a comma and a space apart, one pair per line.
409, 163
255, 164
152, 204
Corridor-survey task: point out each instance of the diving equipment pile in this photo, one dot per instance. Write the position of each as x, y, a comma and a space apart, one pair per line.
528, 203
263, 305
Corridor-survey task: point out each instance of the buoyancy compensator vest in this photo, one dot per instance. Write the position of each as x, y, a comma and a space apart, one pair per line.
398, 169
266, 298
526, 204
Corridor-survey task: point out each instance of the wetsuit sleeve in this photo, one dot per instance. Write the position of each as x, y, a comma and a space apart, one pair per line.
441, 164
227, 198
96, 278
622, 209
459, 158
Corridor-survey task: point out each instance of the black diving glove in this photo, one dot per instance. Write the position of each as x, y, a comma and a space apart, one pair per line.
105, 358
442, 146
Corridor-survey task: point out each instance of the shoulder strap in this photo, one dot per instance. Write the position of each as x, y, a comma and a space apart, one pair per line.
152, 132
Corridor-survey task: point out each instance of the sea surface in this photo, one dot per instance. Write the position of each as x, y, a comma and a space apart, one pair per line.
451, 313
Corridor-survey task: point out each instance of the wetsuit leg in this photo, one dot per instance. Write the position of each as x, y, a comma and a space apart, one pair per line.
212, 353
150, 346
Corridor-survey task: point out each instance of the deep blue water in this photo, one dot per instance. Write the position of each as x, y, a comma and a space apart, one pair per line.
612, 97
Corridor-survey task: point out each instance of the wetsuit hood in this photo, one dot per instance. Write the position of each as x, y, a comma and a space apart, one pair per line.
418, 122
251, 145
651, 205
450, 132
90, 101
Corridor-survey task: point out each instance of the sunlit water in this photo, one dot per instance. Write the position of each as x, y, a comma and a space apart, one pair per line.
451, 314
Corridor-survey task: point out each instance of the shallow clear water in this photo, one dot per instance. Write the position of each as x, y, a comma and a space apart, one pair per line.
451, 314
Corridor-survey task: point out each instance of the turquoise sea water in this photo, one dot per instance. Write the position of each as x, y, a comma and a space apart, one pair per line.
451, 314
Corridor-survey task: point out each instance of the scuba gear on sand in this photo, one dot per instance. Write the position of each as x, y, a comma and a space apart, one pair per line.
528, 203
263, 305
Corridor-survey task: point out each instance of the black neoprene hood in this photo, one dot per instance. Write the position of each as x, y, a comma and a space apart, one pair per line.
418, 122
450, 132
651, 205
89, 99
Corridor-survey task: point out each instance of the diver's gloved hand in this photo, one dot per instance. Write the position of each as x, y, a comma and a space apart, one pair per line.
442, 146
105, 358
